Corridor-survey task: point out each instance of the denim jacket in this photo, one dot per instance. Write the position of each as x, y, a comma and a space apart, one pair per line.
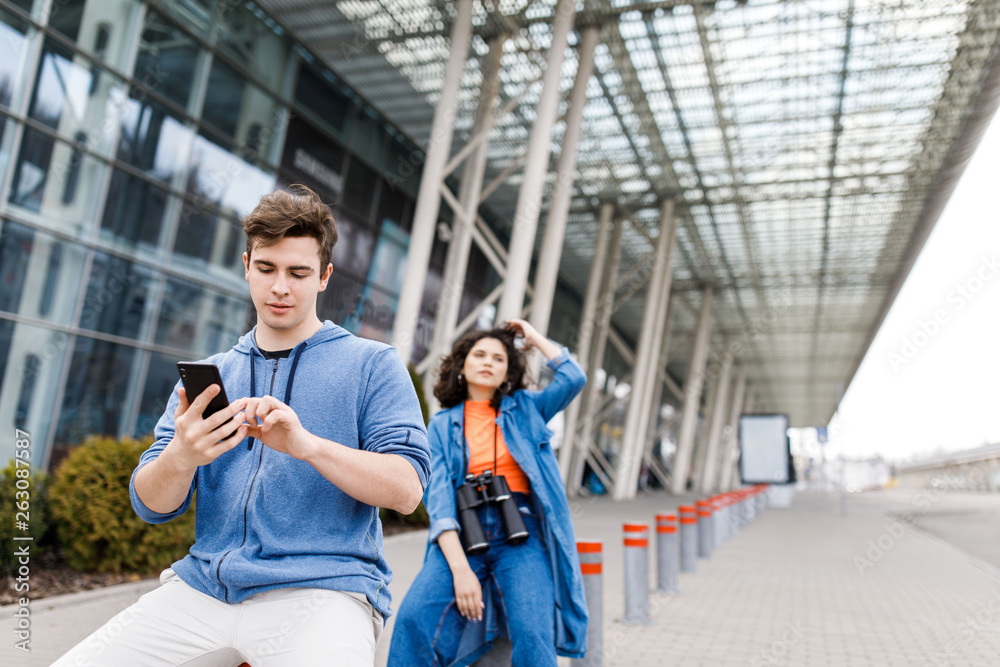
522, 420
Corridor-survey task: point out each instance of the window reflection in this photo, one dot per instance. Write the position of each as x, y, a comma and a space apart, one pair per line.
31, 364
161, 377
248, 35
153, 140
57, 263
117, 296
13, 49
57, 180
195, 318
133, 210
98, 26
241, 110
219, 177
95, 401
167, 61
76, 99
205, 235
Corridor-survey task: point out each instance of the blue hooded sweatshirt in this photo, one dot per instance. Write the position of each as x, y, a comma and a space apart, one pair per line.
265, 520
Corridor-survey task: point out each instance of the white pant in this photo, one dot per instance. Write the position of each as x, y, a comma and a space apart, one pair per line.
177, 625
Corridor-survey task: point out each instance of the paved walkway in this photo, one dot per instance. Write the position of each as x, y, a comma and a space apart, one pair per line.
804, 586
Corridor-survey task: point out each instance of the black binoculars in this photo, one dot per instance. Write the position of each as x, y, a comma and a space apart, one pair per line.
479, 491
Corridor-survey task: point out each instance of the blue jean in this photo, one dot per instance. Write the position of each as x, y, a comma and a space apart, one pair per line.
518, 579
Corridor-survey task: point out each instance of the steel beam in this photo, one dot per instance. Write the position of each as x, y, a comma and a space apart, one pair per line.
710, 472
647, 356
429, 197
692, 395
525, 224
585, 334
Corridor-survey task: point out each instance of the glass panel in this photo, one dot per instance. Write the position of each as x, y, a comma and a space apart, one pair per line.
368, 139
118, 296
167, 62
239, 109
341, 300
153, 140
403, 168
221, 178
49, 267
58, 181
98, 26
203, 234
76, 98
96, 397
13, 49
313, 159
195, 14
320, 95
247, 34
31, 364
133, 210
355, 247
160, 380
195, 318
359, 189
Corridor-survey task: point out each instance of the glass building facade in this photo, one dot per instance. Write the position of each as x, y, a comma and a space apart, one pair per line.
133, 137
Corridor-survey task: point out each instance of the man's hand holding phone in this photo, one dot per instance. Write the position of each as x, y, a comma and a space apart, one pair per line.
199, 441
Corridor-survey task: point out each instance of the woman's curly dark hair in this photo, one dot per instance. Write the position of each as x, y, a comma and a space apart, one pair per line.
450, 391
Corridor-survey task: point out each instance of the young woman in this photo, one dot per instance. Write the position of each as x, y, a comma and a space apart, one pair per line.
532, 591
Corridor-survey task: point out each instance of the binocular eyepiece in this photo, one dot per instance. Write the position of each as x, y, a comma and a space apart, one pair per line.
479, 491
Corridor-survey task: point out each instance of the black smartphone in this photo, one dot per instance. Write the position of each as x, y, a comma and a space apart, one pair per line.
197, 377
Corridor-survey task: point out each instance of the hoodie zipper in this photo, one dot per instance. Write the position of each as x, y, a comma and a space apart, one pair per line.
246, 505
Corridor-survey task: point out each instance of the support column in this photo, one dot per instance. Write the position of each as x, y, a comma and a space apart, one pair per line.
656, 391
692, 395
731, 432
710, 474
661, 336
701, 433
602, 325
457, 261
562, 190
595, 284
647, 355
529, 200
429, 197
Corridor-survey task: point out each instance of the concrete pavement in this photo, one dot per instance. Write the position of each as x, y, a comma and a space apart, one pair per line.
804, 586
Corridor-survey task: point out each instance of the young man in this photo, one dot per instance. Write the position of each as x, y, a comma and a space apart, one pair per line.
287, 566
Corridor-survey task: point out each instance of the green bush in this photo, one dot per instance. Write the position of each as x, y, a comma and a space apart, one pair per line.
419, 518
95, 524
29, 505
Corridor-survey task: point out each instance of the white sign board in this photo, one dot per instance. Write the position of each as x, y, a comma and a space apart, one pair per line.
765, 457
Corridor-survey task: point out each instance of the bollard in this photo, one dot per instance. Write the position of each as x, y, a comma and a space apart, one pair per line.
636, 574
591, 565
666, 553
689, 538
718, 521
706, 528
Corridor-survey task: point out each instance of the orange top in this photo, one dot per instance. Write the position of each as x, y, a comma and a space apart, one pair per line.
480, 422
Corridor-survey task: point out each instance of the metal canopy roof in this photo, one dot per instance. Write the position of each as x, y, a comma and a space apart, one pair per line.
806, 143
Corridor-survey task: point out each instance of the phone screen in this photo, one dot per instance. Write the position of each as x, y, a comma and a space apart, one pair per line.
199, 376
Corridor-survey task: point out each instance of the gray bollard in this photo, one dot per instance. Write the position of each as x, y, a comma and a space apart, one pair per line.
666, 554
706, 528
689, 538
718, 520
636, 574
591, 565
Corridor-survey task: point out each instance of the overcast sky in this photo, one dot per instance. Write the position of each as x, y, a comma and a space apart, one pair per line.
931, 379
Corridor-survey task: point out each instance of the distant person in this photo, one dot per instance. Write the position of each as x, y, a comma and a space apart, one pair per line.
530, 591
287, 568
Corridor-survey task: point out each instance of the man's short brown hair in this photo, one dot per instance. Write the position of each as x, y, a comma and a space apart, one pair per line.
295, 212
